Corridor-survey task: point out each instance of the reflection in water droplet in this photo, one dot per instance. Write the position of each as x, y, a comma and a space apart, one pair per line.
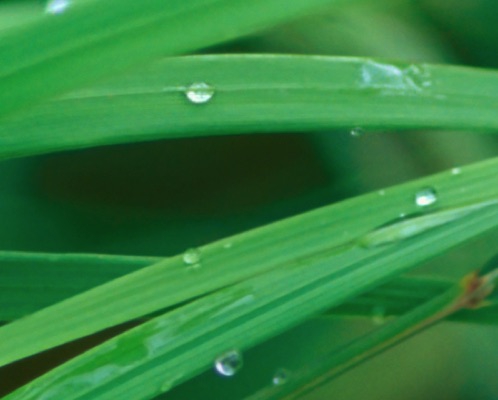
357, 132
281, 377
456, 171
56, 6
229, 363
378, 315
192, 256
199, 93
425, 197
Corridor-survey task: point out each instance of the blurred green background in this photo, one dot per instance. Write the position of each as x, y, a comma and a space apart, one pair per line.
162, 197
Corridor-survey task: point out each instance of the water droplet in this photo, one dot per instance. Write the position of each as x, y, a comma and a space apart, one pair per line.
357, 132
280, 377
378, 315
456, 171
425, 197
411, 79
55, 7
229, 363
199, 93
381, 192
192, 256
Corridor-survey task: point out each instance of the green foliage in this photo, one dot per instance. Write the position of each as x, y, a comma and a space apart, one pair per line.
81, 74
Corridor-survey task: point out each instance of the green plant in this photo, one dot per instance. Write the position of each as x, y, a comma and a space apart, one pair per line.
86, 73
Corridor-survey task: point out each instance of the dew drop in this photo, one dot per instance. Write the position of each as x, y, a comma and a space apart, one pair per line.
425, 197
229, 363
280, 377
55, 7
357, 131
456, 171
192, 256
199, 93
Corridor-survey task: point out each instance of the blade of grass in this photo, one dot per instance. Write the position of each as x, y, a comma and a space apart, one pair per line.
470, 291
235, 259
32, 281
92, 39
258, 93
170, 349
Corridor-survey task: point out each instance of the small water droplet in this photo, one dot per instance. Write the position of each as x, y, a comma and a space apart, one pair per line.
229, 363
357, 131
456, 171
55, 7
378, 315
425, 197
199, 93
280, 377
192, 256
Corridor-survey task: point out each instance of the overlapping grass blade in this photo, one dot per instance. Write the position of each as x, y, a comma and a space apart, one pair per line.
258, 93
337, 361
91, 39
316, 235
170, 349
32, 281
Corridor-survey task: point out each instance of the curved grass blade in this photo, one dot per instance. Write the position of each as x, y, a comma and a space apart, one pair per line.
470, 291
258, 93
32, 281
86, 40
158, 355
314, 234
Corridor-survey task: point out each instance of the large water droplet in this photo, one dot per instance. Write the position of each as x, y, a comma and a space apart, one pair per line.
280, 377
425, 197
357, 131
229, 363
199, 93
192, 256
56, 6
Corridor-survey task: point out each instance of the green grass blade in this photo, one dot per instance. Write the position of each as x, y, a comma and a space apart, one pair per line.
319, 233
338, 361
170, 349
258, 93
32, 281
92, 39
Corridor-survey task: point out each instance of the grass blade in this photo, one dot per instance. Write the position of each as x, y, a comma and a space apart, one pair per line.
318, 234
466, 294
92, 39
160, 354
305, 93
